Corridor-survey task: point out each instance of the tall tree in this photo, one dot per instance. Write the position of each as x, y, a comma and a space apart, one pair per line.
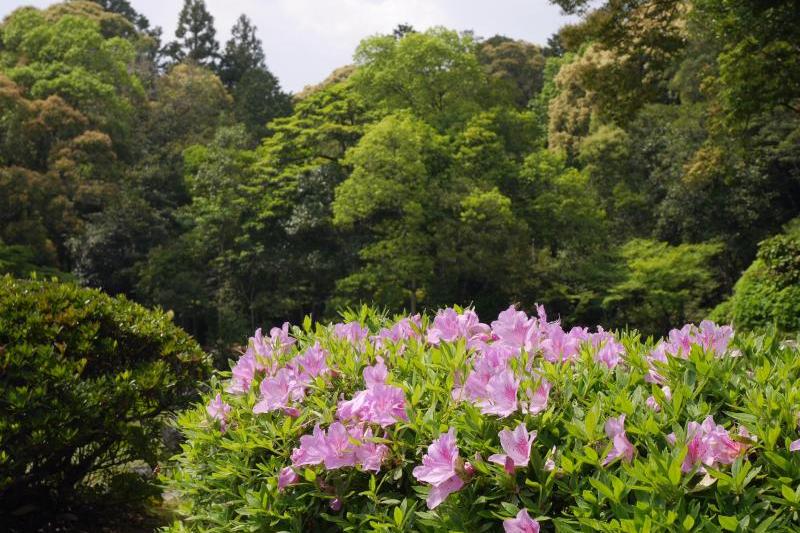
124, 8
257, 94
243, 53
196, 37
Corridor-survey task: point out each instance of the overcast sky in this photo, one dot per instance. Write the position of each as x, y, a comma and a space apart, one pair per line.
304, 40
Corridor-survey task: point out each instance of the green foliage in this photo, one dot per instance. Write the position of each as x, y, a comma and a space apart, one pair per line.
662, 284
435, 74
227, 481
87, 383
768, 293
196, 36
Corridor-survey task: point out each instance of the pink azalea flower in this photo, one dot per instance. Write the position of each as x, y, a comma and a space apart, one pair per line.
794, 446
439, 493
501, 395
336, 505
449, 326
513, 327
709, 444
439, 464
406, 328
517, 445
622, 447
550, 463
610, 352
380, 404
387, 405
523, 523
680, 341
369, 454
279, 391
280, 339
538, 400
312, 449
714, 338
287, 477
659, 354
376, 374
439, 468
652, 404
559, 346
311, 364
218, 410
353, 332
339, 451
243, 373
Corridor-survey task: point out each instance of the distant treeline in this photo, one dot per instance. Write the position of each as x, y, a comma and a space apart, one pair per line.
624, 173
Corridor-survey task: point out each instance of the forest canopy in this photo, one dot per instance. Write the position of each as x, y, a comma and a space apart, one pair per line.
623, 173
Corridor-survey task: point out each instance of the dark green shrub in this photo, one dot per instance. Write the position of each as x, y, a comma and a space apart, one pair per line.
86, 381
768, 293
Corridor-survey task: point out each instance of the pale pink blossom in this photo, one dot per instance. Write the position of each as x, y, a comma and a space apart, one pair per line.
312, 449
559, 346
449, 326
439, 468
376, 374
311, 364
287, 477
621, 446
242, 374
369, 454
501, 395
218, 410
523, 523
339, 451
517, 445
709, 444
279, 391
513, 328
353, 332
537, 401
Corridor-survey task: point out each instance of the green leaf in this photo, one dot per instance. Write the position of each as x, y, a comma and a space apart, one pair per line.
728, 523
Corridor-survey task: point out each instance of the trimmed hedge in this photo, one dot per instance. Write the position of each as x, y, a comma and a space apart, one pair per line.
446, 424
86, 382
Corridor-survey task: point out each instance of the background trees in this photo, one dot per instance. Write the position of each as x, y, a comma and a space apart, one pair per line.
624, 173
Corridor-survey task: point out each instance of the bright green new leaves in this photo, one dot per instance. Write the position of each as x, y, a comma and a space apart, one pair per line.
434, 74
662, 283
392, 189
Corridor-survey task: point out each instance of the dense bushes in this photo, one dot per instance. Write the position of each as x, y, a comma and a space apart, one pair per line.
768, 293
85, 383
447, 424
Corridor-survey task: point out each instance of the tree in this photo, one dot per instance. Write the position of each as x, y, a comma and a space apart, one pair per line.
392, 190
243, 53
518, 64
196, 36
662, 285
124, 8
434, 74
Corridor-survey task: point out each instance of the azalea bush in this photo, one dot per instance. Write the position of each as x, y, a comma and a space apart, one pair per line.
446, 423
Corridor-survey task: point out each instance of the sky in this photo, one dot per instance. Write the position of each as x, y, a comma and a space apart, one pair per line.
304, 40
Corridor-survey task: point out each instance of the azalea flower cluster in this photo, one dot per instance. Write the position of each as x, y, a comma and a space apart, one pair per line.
492, 384
709, 444
502, 356
709, 337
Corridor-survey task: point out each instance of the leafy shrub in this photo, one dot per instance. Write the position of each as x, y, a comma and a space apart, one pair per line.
86, 381
453, 425
768, 293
